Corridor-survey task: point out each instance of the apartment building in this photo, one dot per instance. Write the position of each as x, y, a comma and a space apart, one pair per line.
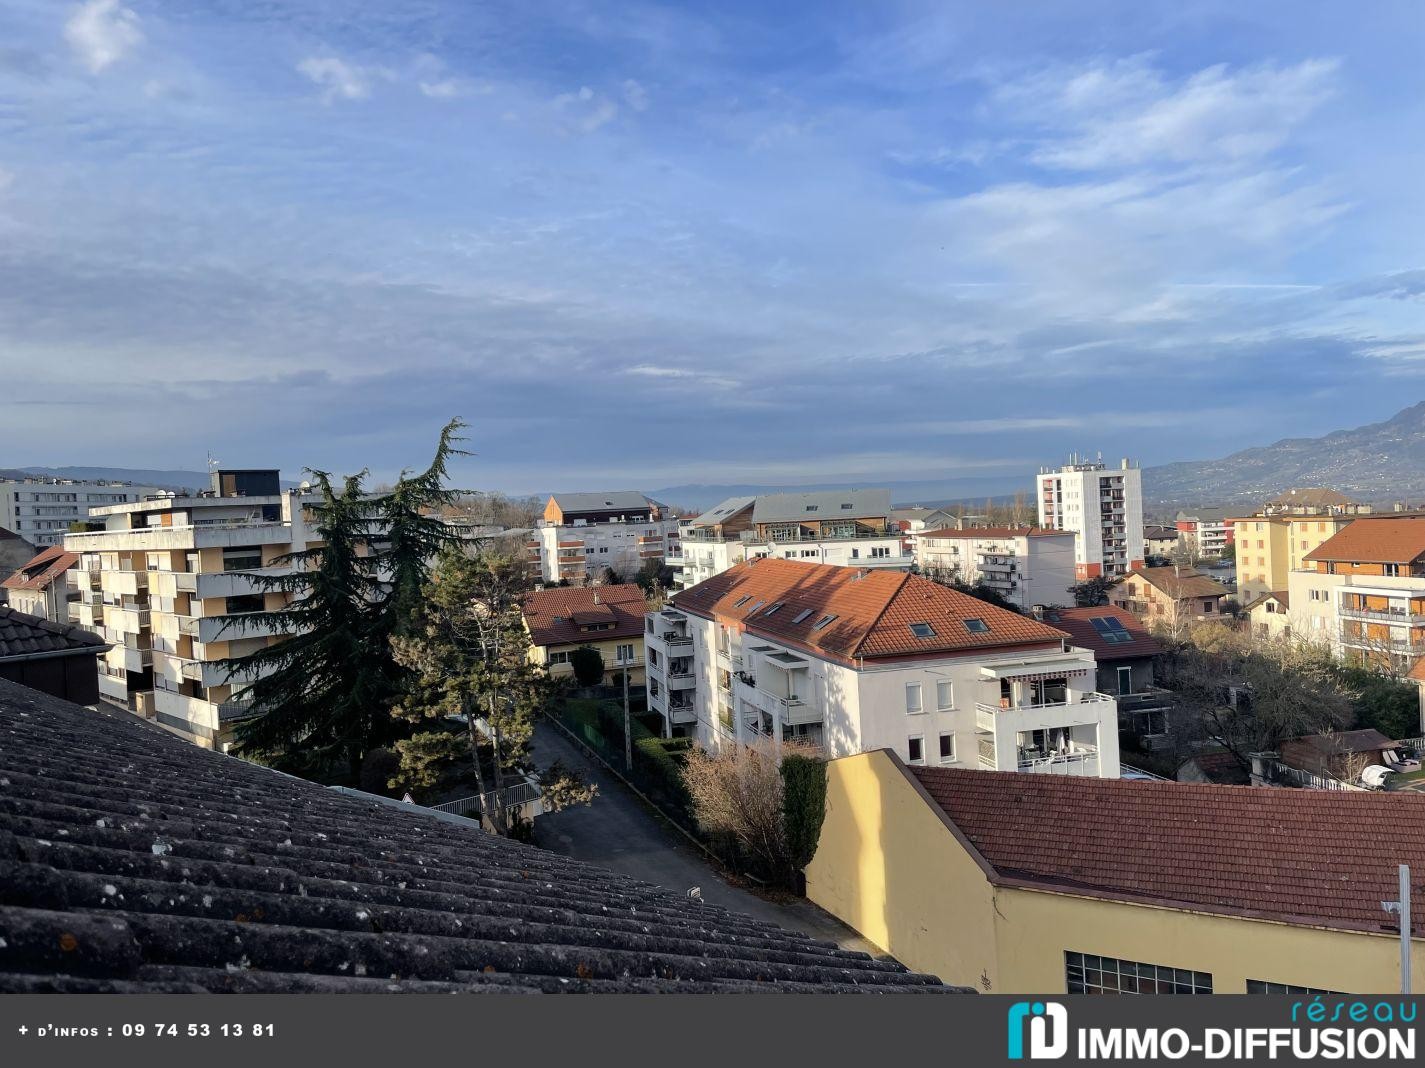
41, 510
1103, 507
851, 660
581, 534
168, 583
1160, 540
1025, 566
1270, 545
1362, 591
1205, 532
40, 587
852, 528
608, 619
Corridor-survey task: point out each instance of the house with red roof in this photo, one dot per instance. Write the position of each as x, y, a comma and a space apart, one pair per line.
1051, 884
40, 587
852, 659
608, 619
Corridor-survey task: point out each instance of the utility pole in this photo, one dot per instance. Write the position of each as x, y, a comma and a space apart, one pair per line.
627, 732
1401, 908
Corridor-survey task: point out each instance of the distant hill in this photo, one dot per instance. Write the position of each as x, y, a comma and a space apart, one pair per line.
930, 491
174, 480
1378, 463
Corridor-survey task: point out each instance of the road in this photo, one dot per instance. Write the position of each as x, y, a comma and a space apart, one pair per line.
617, 832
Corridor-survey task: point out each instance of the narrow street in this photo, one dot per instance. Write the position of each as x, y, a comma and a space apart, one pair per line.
619, 833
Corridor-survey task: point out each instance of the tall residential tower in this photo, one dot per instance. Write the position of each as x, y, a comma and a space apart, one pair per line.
1103, 506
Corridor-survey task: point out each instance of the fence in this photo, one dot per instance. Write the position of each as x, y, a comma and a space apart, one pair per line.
1307, 779
513, 798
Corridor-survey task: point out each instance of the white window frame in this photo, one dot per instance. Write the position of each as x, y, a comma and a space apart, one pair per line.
941, 757
919, 706
948, 686
909, 759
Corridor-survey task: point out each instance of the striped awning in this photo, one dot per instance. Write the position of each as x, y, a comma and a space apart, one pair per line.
1038, 670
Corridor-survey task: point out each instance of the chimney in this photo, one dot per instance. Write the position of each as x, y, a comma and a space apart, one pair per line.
1261, 768
596, 596
1037, 611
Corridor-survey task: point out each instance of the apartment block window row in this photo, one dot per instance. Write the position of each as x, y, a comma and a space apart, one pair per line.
1085, 973
1262, 986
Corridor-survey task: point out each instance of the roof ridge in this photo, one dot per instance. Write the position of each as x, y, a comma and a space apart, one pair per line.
866, 633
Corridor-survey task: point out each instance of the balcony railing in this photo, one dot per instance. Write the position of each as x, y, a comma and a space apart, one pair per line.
672, 637
1389, 615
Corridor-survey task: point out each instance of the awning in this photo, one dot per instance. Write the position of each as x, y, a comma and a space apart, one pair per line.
1038, 670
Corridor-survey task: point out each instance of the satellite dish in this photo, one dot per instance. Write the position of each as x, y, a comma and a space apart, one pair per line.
304, 486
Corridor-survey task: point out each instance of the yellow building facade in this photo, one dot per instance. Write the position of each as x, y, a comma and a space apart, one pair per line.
892, 864
1268, 548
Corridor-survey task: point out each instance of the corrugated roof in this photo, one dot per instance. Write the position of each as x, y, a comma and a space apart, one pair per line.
1309, 856
823, 504
848, 613
132, 861
555, 615
1391, 540
23, 635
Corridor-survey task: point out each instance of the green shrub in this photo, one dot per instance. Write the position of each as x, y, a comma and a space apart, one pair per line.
803, 806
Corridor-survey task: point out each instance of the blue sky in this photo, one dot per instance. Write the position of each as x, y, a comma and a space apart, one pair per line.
639, 244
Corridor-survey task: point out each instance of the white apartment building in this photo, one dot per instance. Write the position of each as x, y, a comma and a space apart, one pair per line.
852, 660
168, 582
41, 510
1025, 566
580, 534
848, 528
1103, 507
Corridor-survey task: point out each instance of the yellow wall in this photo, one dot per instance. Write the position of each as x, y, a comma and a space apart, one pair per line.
888, 865
607, 648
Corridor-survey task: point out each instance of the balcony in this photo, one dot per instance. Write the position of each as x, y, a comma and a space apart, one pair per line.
1387, 615
672, 637
235, 583
1079, 709
1081, 760
232, 627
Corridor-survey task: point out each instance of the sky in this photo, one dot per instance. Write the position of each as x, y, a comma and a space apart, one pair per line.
637, 245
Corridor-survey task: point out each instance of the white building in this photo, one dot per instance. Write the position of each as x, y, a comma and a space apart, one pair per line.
1103, 507
853, 659
580, 534
41, 510
1025, 566
850, 528
168, 582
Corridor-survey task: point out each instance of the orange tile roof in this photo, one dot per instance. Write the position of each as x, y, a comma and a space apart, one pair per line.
1079, 623
1376, 541
1177, 583
1322, 857
873, 610
555, 615
42, 570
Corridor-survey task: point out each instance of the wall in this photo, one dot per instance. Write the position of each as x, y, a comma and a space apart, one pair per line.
889, 865
73, 678
607, 648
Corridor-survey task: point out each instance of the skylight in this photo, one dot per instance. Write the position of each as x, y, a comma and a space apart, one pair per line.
741, 601
922, 630
977, 626
800, 616
1111, 629
824, 621
772, 608
755, 605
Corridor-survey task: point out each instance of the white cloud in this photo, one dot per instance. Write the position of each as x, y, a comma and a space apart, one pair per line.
340, 80
635, 95
444, 89
586, 110
102, 32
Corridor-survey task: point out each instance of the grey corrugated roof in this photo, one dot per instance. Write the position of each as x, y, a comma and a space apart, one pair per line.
720, 513
630, 500
828, 504
22, 634
132, 861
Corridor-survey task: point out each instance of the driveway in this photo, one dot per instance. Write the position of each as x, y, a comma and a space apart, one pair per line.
618, 832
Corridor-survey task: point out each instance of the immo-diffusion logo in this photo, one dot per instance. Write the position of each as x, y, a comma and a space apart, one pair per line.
1048, 1027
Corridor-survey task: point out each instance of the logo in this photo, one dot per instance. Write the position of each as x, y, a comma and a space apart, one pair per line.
1043, 1019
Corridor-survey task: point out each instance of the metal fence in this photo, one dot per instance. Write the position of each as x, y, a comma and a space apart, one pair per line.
1308, 780
511, 797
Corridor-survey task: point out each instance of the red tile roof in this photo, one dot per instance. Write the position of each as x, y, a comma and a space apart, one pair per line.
1375, 541
42, 570
1311, 856
554, 616
1179, 583
873, 610
1079, 624
993, 532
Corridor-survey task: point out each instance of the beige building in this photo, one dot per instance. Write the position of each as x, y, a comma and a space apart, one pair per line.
1269, 616
39, 587
168, 583
1018, 884
1270, 546
607, 619
1169, 596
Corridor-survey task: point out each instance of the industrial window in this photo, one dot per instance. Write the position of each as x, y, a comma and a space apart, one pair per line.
947, 748
801, 616
1087, 974
912, 697
915, 750
977, 626
922, 630
1262, 986
944, 694
823, 622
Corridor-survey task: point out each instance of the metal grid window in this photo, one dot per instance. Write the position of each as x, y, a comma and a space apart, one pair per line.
1262, 986
1087, 974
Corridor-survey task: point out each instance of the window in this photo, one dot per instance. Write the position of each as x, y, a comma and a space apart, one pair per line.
560, 657
813, 507
1390, 570
823, 622
944, 694
1111, 629
1125, 680
741, 601
915, 749
977, 626
880, 551
922, 630
801, 616
947, 748
912, 697
772, 608
846, 507
625, 654
248, 602
1087, 974
1262, 986
755, 605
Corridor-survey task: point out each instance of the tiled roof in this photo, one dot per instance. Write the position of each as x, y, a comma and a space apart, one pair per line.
1376, 541
626, 500
42, 570
1310, 497
555, 615
1282, 597
1179, 583
132, 861
1160, 533
994, 532
1367, 740
822, 505
873, 610
22, 634
722, 511
1078, 622
1312, 856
